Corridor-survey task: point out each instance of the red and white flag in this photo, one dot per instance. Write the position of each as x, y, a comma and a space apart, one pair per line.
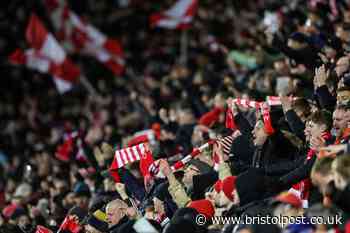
129, 155
276, 100
149, 135
78, 36
179, 16
46, 56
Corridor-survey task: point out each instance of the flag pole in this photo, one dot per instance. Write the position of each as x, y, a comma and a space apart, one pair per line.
184, 47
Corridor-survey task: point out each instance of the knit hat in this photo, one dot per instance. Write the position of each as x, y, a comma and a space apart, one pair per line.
9, 210
228, 185
201, 166
218, 186
81, 190
204, 207
289, 198
202, 182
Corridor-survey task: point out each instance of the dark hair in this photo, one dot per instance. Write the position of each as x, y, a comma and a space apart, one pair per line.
344, 107
322, 117
345, 88
303, 105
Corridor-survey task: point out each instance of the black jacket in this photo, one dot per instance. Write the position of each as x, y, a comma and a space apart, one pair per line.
276, 157
121, 227
241, 154
341, 199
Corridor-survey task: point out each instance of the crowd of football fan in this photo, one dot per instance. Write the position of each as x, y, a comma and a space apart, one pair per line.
296, 50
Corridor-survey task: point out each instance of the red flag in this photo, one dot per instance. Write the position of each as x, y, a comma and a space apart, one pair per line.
65, 150
70, 224
145, 163
41, 229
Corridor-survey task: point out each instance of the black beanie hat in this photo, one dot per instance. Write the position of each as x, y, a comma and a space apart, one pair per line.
201, 166
250, 186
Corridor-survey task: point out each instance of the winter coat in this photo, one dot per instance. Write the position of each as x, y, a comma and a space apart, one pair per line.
276, 157
121, 227
341, 199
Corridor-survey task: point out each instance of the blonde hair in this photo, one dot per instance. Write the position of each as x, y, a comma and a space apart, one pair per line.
341, 165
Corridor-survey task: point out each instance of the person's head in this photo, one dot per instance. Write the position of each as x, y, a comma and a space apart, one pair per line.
267, 124
195, 167
341, 171
340, 119
204, 207
322, 211
288, 205
302, 108
321, 121
197, 138
321, 173
281, 66
82, 195
297, 41
227, 195
259, 134
115, 211
342, 65
158, 205
220, 100
343, 95
185, 115
342, 31
20, 217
